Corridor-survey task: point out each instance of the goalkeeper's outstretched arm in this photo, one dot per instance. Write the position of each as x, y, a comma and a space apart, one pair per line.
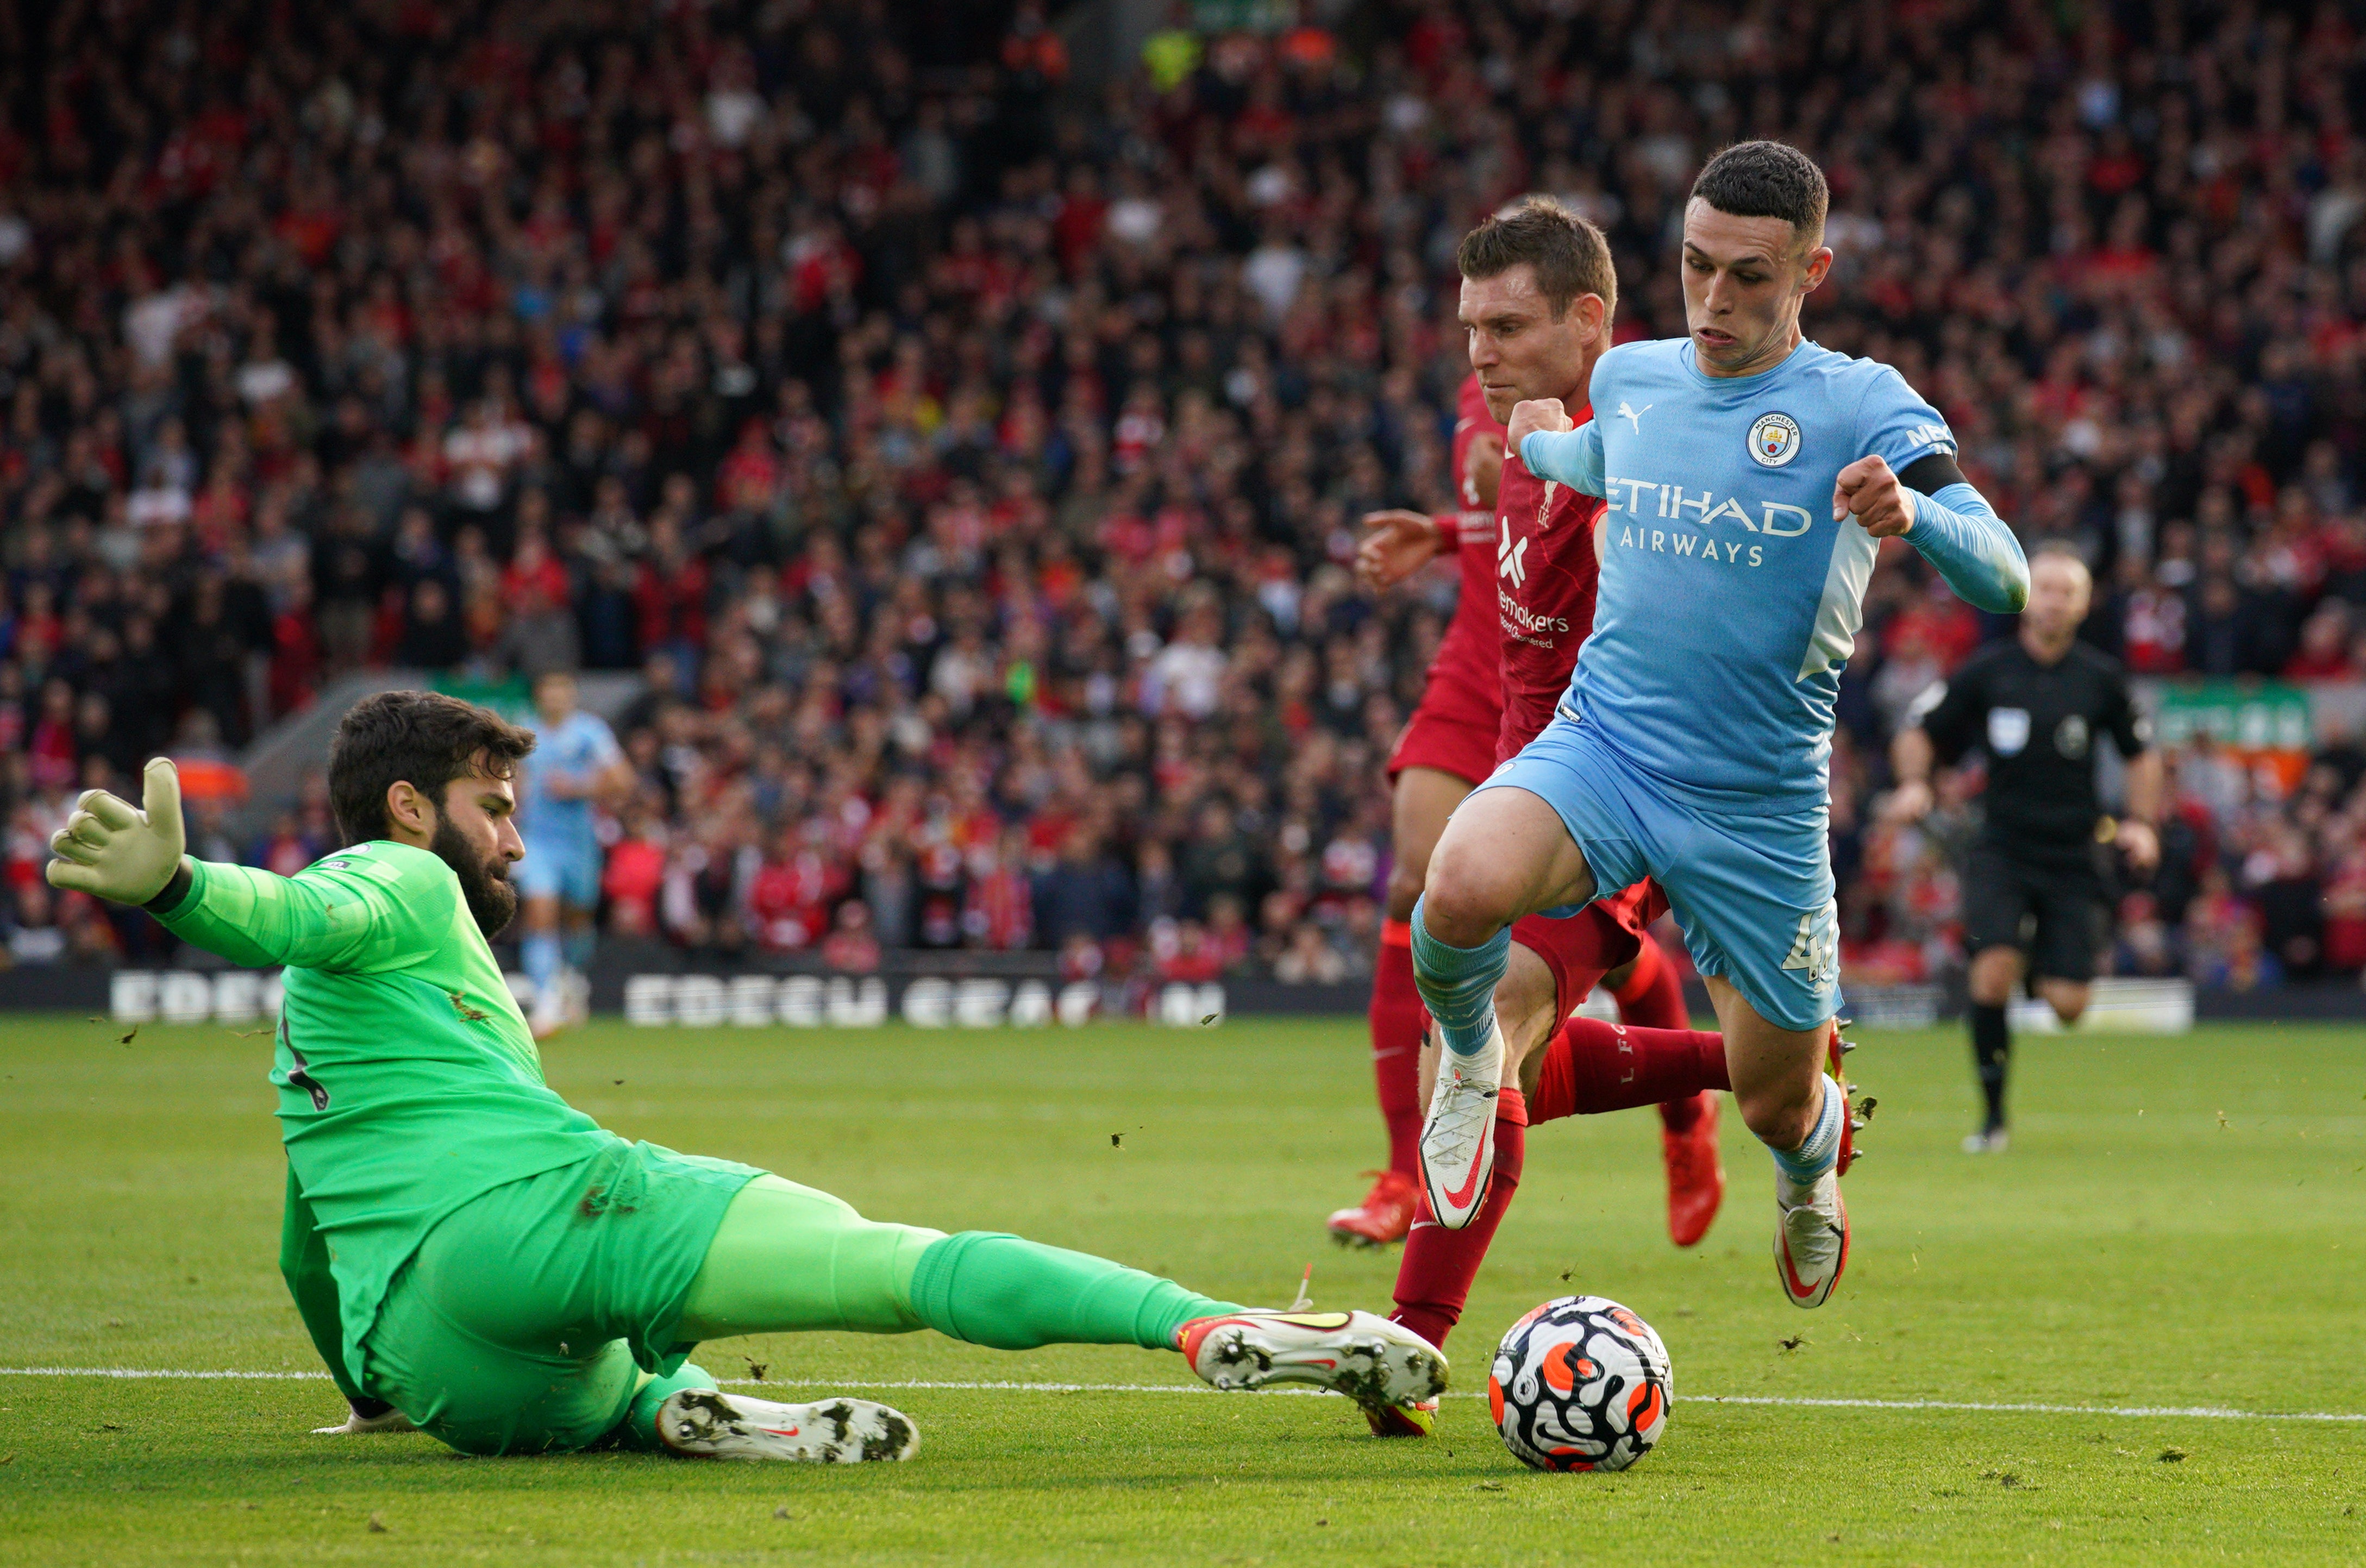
136, 856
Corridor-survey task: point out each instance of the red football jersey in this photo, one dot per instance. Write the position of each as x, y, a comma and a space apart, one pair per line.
1467, 655
1546, 575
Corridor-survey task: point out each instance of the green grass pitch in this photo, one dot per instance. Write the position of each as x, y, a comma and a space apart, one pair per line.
2177, 1224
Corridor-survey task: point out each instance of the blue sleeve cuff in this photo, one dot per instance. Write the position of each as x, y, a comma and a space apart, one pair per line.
1960, 536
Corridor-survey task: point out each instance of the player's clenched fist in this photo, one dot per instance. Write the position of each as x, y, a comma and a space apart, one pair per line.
1535, 415
1884, 508
112, 849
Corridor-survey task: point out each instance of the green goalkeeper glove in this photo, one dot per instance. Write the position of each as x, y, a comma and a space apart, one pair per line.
109, 849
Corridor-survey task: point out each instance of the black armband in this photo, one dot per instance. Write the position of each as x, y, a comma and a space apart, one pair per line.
1929, 475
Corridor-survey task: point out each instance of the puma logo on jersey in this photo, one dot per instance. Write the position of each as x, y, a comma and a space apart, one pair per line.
1634, 416
1511, 559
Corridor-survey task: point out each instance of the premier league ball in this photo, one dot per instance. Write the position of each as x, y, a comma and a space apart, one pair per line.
1581, 1383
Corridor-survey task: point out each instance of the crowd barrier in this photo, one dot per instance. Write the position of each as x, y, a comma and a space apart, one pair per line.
707, 997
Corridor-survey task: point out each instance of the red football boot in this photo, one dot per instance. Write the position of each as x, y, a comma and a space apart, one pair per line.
1384, 1216
1696, 1177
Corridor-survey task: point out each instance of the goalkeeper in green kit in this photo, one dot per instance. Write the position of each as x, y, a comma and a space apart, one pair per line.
472, 1255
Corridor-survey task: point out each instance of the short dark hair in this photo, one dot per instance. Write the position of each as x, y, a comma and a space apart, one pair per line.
1768, 179
425, 738
1570, 254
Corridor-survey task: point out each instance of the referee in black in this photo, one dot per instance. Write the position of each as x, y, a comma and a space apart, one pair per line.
2034, 893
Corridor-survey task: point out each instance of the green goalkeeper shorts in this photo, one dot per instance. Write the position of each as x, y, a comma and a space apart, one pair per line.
526, 1318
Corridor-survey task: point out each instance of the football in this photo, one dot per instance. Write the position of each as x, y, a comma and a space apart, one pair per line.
1581, 1383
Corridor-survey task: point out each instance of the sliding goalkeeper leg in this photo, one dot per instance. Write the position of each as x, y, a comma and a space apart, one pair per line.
555, 1312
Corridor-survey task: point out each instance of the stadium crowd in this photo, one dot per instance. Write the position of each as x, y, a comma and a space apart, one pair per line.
972, 458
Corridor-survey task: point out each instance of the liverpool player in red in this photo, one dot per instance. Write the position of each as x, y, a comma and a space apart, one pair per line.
1492, 686
1538, 295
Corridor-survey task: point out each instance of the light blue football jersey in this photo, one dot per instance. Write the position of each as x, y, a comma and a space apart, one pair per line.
1729, 600
581, 744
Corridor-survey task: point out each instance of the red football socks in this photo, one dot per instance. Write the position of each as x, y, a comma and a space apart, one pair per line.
1592, 1067
1434, 1277
1398, 1022
1654, 998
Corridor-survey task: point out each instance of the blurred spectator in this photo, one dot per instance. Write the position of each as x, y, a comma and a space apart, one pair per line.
968, 455
852, 948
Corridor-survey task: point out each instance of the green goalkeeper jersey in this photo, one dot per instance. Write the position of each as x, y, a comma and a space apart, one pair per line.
408, 1080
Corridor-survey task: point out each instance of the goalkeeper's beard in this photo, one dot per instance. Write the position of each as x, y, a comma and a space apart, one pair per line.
491, 900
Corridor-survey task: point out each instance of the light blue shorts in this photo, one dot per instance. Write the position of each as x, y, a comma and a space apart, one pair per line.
1753, 893
566, 867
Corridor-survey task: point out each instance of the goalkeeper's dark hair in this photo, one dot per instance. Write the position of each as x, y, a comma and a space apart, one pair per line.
425, 738
1768, 179
1569, 253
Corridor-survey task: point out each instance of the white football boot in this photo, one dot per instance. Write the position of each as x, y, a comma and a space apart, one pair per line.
707, 1423
1458, 1136
1811, 1238
1376, 1363
357, 1425
1811, 1230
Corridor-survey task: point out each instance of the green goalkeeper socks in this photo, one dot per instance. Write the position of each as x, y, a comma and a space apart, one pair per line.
998, 1290
638, 1429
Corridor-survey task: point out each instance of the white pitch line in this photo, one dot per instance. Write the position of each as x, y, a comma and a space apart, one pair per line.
2205, 1412
2199, 1412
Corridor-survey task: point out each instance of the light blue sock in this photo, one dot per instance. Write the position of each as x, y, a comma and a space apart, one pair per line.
540, 951
1822, 1149
1458, 984
579, 943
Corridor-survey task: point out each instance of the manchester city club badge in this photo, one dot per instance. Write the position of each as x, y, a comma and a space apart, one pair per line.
1773, 439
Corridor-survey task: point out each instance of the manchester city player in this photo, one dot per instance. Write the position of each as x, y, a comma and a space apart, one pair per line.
471, 1251
1750, 476
575, 758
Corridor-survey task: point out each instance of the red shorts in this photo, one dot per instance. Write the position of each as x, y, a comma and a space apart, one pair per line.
1454, 729
1448, 744
1603, 936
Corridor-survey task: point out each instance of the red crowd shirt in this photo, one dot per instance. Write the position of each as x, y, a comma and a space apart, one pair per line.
1546, 574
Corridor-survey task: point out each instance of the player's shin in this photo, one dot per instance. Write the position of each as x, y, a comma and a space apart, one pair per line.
1653, 997
1458, 1133
1819, 1151
1013, 1294
1435, 1276
1592, 1067
1991, 1054
1398, 1020
1458, 984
